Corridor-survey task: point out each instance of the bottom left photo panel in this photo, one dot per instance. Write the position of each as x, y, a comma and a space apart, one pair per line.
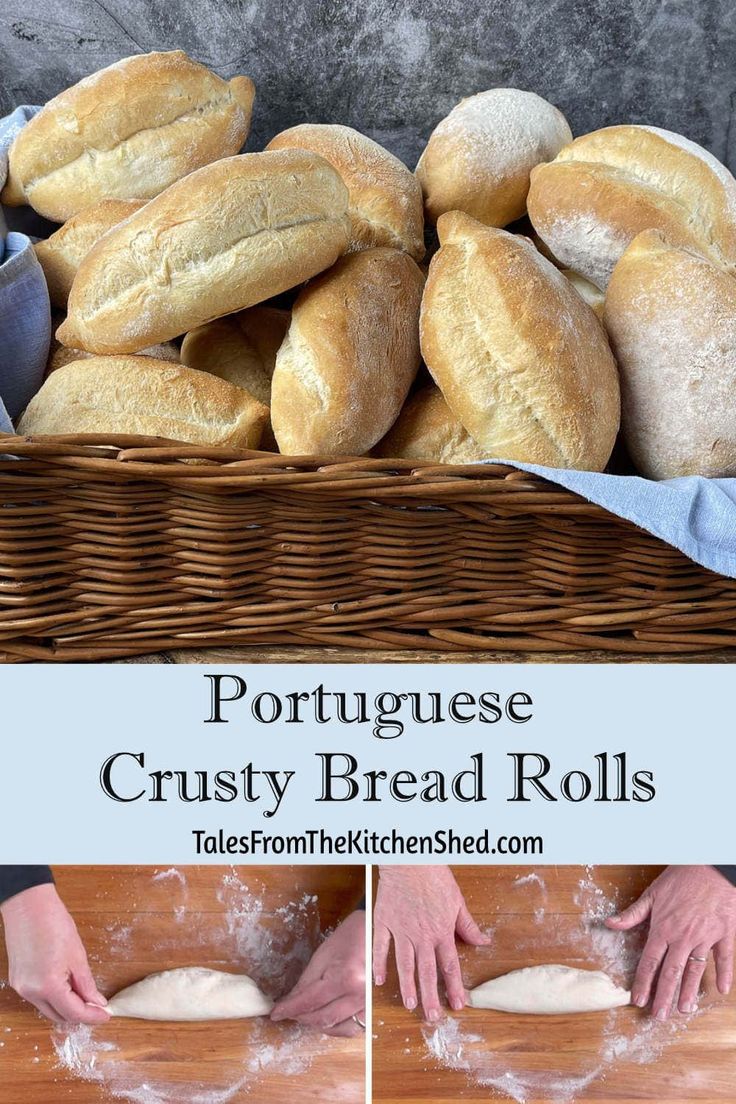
182, 985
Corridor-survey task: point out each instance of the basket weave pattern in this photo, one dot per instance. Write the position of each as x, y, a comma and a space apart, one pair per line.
134, 546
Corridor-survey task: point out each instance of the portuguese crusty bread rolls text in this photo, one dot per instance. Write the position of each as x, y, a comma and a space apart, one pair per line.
138, 394
126, 132
671, 314
226, 237
478, 159
606, 187
522, 361
350, 355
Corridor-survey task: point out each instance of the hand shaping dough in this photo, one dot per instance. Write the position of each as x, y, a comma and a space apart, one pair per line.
189, 994
549, 990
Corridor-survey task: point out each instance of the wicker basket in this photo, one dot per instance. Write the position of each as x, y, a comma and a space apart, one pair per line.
135, 546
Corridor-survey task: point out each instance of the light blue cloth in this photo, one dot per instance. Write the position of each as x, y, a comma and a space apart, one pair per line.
25, 314
696, 515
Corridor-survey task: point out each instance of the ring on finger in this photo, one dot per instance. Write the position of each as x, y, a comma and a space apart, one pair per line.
358, 1021
696, 958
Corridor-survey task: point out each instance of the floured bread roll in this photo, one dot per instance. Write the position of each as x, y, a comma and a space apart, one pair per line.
549, 990
240, 348
606, 187
671, 316
126, 132
61, 254
385, 198
59, 355
522, 361
228, 236
190, 994
426, 429
137, 394
350, 356
478, 159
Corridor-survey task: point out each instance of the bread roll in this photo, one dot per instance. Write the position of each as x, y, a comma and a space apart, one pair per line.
426, 429
240, 348
520, 358
126, 132
478, 159
385, 201
59, 355
226, 237
592, 295
671, 314
61, 254
606, 187
108, 395
350, 355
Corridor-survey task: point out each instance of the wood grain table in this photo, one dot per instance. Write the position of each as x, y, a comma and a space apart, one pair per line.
322, 655
542, 915
137, 920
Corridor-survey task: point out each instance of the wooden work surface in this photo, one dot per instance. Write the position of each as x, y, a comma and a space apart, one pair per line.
359, 655
552, 1058
137, 920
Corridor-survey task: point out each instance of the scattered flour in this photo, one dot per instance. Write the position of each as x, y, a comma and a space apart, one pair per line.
273, 945
512, 1072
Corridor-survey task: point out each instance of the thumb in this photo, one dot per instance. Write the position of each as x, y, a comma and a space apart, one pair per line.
468, 930
84, 985
632, 916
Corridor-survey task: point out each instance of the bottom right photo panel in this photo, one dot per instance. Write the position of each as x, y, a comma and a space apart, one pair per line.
553, 983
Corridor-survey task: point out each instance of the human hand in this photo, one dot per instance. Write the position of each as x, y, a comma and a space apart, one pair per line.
331, 991
47, 961
691, 912
422, 909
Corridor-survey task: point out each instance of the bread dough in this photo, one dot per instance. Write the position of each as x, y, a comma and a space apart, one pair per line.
549, 990
192, 993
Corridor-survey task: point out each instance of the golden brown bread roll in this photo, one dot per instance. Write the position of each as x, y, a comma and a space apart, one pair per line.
520, 358
606, 187
240, 348
671, 314
126, 132
479, 157
385, 201
226, 237
350, 355
138, 394
61, 254
426, 429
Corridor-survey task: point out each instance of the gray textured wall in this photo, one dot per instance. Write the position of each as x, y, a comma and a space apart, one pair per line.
393, 68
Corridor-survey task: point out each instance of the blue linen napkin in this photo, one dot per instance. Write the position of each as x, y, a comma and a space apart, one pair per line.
25, 314
694, 514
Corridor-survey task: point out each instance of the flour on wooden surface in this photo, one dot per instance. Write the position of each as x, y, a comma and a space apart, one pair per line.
273, 944
623, 1038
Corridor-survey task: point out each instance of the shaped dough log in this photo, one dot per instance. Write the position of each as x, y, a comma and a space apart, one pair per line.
549, 990
192, 993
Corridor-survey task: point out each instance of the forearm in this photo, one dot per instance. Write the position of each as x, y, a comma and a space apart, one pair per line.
17, 879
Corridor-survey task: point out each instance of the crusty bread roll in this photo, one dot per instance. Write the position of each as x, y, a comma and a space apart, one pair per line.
141, 395
606, 187
126, 132
240, 348
478, 159
59, 355
385, 201
671, 314
426, 429
226, 237
61, 254
592, 295
522, 361
350, 355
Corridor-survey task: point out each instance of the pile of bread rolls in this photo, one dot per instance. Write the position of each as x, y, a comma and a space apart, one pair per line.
275, 300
